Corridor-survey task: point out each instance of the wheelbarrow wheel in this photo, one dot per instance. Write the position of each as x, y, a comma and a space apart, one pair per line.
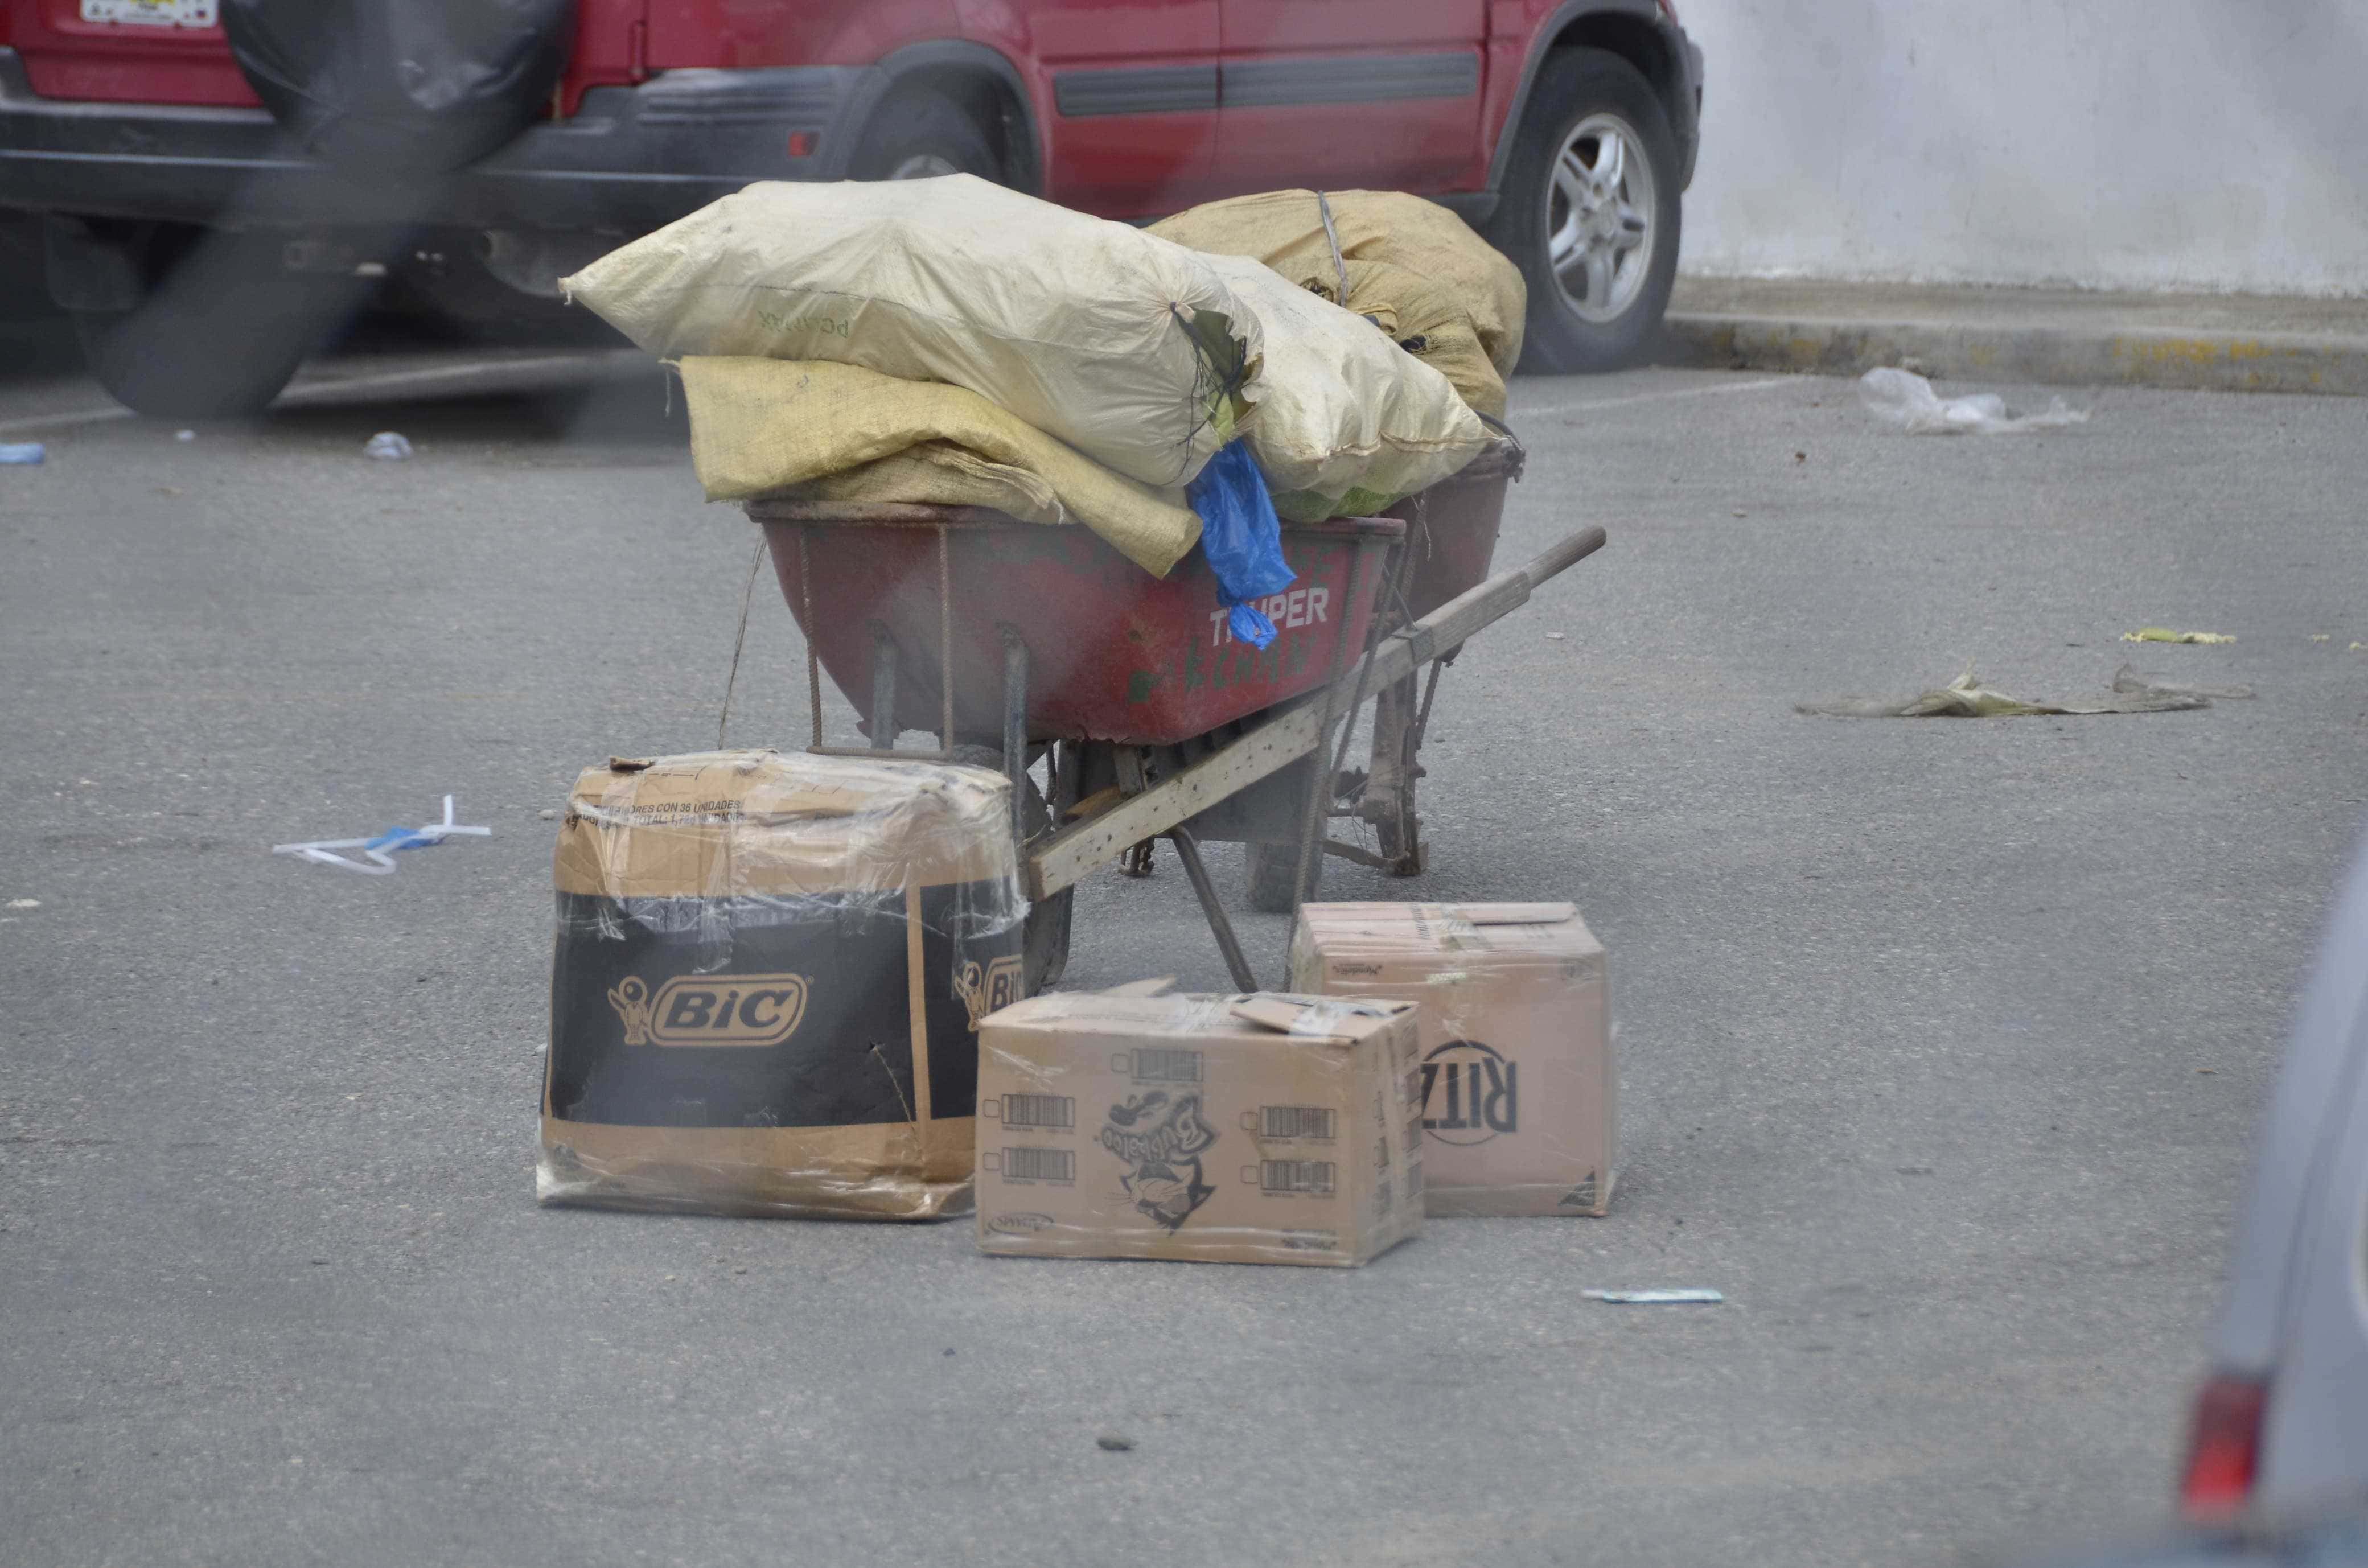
1045, 951
1271, 870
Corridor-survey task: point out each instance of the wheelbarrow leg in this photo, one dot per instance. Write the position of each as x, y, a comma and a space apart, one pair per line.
1048, 919
883, 690
1188, 850
1045, 937
1387, 800
1015, 727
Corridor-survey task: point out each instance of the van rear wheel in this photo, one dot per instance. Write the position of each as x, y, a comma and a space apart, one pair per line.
219, 331
922, 134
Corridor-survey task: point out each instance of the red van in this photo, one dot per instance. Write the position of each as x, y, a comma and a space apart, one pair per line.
218, 179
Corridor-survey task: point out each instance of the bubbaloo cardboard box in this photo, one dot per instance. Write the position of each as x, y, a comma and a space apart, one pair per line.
765, 982
1520, 1088
1262, 1129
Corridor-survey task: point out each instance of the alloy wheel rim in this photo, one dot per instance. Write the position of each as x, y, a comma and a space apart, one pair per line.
924, 165
1599, 211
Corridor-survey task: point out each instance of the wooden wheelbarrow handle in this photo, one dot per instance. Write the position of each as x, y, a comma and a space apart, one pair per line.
1070, 854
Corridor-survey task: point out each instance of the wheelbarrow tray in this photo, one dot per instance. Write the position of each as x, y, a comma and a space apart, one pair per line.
1452, 528
1113, 653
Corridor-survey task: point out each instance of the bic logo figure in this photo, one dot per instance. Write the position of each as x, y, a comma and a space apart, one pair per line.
983, 990
712, 1010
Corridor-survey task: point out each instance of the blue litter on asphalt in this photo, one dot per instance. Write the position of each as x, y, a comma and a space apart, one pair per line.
381, 849
1685, 1297
27, 453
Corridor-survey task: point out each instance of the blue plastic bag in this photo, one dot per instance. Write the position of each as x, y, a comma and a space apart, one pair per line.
1242, 537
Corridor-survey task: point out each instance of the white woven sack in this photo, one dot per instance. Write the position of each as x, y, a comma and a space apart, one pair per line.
1347, 422
1121, 344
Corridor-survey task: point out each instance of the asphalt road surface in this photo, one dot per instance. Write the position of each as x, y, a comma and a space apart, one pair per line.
1942, 1039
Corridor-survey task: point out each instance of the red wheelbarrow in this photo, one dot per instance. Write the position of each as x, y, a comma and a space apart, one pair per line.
1018, 644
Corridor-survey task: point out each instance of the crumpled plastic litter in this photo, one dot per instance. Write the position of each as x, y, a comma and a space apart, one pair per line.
2164, 634
387, 446
28, 453
1968, 697
1907, 399
2130, 679
1682, 1296
1243, 538
383, 847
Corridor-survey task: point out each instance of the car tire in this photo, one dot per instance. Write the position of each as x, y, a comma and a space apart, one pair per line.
920, 135
1596, 241
220, 331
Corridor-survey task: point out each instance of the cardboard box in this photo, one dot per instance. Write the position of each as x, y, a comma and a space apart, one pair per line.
766, 977
1520, 1087
1263, 1129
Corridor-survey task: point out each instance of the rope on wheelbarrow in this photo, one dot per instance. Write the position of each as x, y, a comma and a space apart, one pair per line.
739, 639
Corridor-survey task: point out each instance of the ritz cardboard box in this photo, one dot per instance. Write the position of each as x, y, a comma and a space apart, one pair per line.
1259, 1129
1519, 1084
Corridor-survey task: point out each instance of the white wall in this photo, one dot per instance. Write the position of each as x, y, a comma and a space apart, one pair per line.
2213, 144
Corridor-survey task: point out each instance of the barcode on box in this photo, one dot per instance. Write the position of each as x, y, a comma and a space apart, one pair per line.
1296, 1176
1040, 1111
1158, 1064
1040, 1164
1296, 1121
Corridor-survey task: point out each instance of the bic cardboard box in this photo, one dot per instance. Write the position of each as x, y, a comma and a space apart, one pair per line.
1262, 1129
766, 981
1518, 1085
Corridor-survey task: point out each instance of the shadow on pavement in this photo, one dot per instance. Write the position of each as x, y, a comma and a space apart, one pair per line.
635, 409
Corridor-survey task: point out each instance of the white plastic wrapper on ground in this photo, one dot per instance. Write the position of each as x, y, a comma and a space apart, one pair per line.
1907, 399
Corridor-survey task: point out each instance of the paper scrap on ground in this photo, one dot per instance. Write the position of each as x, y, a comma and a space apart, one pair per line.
1907, 399
1686, 1296
2130, 679
1968, 697
2164, 634
383, 847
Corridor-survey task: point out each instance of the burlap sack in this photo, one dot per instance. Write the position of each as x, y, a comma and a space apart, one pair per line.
1426, 321
1123, 344
1285, 229
1347, 422
938, 474
841, 432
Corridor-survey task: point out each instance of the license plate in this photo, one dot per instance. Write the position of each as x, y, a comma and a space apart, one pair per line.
153, 13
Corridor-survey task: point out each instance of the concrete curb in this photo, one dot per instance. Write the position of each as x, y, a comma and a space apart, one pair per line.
2215, 361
